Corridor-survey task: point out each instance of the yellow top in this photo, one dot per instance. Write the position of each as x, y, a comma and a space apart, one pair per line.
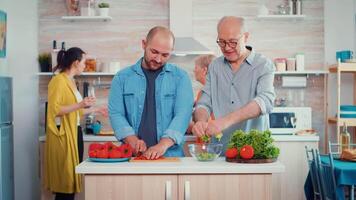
61, 150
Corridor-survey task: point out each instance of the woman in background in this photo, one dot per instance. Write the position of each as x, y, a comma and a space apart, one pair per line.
64, 139
200, 71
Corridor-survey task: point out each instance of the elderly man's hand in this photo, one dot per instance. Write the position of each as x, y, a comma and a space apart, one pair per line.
199, 128
214, 127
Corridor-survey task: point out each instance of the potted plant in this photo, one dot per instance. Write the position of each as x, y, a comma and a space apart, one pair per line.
104, 9
44, 59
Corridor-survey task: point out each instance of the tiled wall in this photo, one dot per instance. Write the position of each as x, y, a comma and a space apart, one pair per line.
120, 39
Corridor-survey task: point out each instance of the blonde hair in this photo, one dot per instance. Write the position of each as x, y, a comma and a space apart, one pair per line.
204, 60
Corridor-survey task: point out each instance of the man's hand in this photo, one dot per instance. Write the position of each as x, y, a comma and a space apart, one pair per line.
199, 128
137, 144
215, 127
159, 149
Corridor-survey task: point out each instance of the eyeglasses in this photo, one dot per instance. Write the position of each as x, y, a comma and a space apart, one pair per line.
232, 42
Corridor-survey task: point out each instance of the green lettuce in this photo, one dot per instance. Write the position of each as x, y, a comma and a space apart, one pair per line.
261, 141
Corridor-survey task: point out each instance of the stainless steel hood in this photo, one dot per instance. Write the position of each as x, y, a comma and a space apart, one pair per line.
181, 24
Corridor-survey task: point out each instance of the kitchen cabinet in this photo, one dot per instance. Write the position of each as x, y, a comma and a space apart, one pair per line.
177, 187
339, 69
184, 180
131, 187
229, 186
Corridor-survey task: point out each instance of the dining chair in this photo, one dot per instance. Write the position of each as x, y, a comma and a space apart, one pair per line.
327, 177
334, 150
314, 175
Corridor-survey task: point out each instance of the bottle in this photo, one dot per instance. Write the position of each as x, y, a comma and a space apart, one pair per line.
63, 46
299, 7
54, 54
294, 7
290, 5
299, 61
344, 138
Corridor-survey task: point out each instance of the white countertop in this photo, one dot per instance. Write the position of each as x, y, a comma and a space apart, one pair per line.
277, 138
187, 165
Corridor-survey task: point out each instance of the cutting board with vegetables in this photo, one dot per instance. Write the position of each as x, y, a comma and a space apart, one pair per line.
252, 161
161, 159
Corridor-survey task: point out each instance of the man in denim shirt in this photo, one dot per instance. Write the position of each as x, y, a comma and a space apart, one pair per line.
239, 87
150, 102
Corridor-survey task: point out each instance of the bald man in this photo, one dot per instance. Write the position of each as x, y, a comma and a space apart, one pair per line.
150, 102
239, 86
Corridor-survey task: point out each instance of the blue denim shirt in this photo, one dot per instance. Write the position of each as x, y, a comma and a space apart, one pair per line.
174, 103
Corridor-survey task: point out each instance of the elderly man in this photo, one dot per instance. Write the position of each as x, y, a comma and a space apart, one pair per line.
150, 102
239, 86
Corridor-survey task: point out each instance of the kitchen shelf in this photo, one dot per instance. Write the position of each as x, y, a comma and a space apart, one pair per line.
347, 121
343, 68
86, 18
338, 69
83, 74
308, 72
282, 17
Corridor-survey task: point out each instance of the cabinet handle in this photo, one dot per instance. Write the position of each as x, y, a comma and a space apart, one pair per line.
187, 190
168, 190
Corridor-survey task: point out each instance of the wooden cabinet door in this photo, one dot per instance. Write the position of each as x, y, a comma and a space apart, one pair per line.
224, 187
131, 187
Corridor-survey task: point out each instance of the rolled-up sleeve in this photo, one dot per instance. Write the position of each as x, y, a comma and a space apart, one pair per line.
205, 99
265, 91
116, 106
182, 111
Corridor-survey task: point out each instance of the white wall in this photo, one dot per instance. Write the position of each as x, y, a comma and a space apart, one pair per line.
22, 50
340, 34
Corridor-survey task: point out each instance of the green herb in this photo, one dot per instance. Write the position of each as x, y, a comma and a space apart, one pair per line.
218, 136
104, 5
206, 138
205, 156
261, 141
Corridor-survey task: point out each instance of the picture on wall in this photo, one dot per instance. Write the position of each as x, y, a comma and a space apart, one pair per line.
2, 34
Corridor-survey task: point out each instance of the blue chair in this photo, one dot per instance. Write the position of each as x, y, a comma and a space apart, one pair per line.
314, 175
327, 177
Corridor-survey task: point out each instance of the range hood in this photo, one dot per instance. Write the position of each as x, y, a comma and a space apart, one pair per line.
181, 24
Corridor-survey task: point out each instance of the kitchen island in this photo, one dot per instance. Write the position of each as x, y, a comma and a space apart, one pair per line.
186, 179
287, 185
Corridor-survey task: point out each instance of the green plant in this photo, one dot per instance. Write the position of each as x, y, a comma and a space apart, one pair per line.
104, 5
261, 141
44, 59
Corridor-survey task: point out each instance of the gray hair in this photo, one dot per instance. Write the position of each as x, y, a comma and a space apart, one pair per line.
239, 20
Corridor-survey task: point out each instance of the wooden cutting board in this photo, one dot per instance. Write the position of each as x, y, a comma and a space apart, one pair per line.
166, 159
254, 161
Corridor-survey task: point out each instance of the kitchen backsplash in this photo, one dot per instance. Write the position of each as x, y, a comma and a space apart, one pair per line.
120, 39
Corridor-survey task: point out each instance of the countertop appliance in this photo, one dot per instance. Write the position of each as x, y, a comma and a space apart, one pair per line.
6, 138
289, 120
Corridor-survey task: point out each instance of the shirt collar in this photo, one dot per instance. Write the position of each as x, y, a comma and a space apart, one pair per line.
249, 59
137, 67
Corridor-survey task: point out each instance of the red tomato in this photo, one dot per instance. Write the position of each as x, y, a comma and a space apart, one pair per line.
109, 146
92, 154
231, 153
246, 152
104, 153
126, 150
95, 146
114, 153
